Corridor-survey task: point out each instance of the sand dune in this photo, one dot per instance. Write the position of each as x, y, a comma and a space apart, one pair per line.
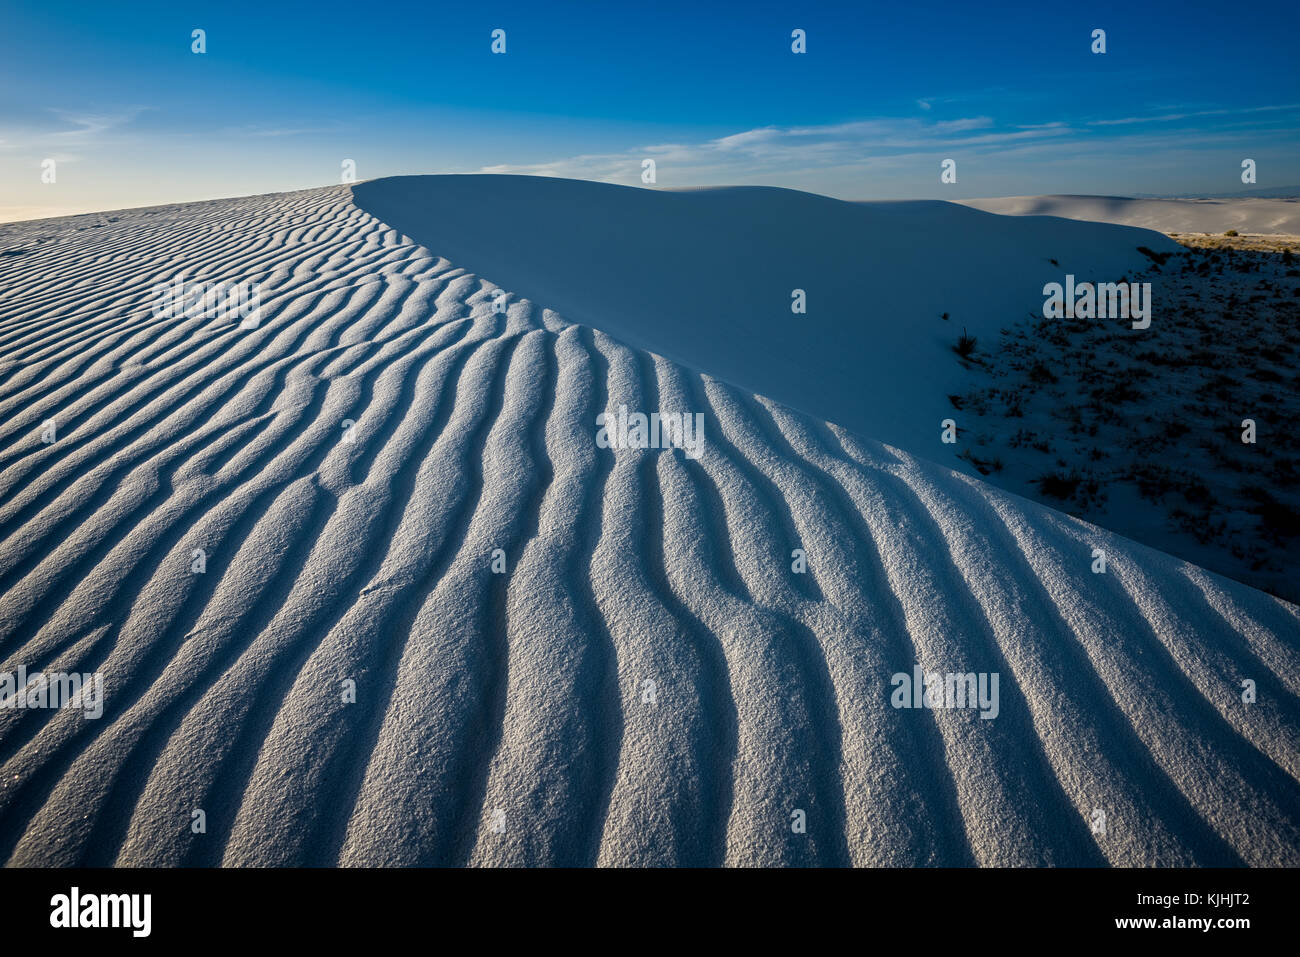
1245, 214
705, 277
365, 553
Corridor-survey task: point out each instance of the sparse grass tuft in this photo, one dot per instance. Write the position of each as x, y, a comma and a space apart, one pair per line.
982, 465
1158, 258
1041, 374
1060, 485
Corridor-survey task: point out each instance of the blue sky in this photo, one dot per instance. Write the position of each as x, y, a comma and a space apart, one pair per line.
285, 93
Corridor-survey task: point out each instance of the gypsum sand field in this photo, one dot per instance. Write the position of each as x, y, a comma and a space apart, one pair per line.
370, 560
1143, 432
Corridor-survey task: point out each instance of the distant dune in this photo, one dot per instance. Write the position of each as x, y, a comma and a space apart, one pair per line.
1246, 215
640, 676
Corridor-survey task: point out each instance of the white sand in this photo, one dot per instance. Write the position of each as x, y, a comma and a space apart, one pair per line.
705, 278
371, 560
1246, 215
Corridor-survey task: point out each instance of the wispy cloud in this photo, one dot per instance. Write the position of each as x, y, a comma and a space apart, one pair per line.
81, 127
272, 131
775, 149
845, 153
57, 130
1196, 114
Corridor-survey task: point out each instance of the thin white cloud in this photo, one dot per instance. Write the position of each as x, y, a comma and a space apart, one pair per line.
271, 131
67, 129
901, 154
772, 150
1194, 114
90, 126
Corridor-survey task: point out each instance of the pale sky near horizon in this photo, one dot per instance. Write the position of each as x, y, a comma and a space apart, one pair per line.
131, 116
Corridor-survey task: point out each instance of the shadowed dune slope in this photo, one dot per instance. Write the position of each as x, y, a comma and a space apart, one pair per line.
706, 277
642, 679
